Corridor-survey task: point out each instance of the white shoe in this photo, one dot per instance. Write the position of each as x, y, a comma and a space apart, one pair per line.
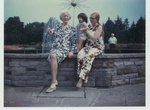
52, 88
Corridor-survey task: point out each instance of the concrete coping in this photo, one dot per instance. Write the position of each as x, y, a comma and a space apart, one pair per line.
103, 56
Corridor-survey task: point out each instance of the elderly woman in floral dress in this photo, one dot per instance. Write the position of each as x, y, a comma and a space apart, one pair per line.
93, 47
64, 44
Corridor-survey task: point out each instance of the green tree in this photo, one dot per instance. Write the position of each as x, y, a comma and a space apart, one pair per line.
140, 30
108, 29
126, 24
14, 31
119, 27
132, 31
34, 32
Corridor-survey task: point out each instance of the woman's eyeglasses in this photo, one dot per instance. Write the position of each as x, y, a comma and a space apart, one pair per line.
92, 18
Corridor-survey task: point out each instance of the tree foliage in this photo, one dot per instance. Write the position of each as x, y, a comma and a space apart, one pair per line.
15, 32
123, 32
34, 32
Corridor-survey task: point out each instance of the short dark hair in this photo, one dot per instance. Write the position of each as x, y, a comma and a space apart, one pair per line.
83, 16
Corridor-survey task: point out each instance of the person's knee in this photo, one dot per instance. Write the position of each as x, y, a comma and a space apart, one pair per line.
53, 57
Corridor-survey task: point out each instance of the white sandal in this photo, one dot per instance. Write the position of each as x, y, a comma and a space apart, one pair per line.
79, 85
52, 88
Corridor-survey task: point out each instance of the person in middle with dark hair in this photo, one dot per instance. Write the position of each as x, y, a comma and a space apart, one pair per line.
81, 35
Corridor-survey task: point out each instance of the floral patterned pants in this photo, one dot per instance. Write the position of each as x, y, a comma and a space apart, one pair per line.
85, 60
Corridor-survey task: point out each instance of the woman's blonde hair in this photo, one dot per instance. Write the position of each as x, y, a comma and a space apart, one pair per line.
97, 16
64, 12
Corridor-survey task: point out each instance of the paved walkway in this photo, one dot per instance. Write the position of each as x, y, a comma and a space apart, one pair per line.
127, 95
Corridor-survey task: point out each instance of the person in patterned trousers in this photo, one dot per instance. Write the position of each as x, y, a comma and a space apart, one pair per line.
94, 46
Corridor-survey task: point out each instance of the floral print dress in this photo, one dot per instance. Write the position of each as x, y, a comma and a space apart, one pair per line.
63, 43
87, 54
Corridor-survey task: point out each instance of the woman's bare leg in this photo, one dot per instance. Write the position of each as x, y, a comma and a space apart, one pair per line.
54, 67
81, 43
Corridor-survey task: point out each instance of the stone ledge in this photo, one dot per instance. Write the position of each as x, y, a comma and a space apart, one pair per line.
104, 55
107, 70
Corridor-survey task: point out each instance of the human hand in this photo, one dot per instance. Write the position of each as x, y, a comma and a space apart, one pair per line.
48, 31
84, 29
70, 54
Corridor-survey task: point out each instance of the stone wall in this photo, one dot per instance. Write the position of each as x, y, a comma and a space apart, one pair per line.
107, 70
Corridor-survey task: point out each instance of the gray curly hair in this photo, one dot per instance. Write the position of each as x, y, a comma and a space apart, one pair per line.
63, 12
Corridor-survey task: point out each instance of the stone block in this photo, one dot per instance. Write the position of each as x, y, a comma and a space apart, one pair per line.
41, 64
36, 63
120, 59
17, 78
24, 64
66, 69
13, 63
47, 83
70, 77
19, 83
111, 71
46, 68
119, 64
28, 78
120, 82
48, 77
7, 77
128, 63
123, 70
30, 69
137, 80
7, 82
6, 62
63, 65
108, 63
134, 59
72, 64
97, 64
139, 63
103, 80
18, 70
141, 71
134, 69
127, 76
36, 73
35, 83
65, 83
61, 78
7, 70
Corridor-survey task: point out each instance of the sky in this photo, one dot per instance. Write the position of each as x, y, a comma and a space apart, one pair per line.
41, 10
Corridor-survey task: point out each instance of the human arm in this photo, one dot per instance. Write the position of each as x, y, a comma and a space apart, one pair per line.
53, 30
83, 28
73, 43
96, 34
70, 54
48, 31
